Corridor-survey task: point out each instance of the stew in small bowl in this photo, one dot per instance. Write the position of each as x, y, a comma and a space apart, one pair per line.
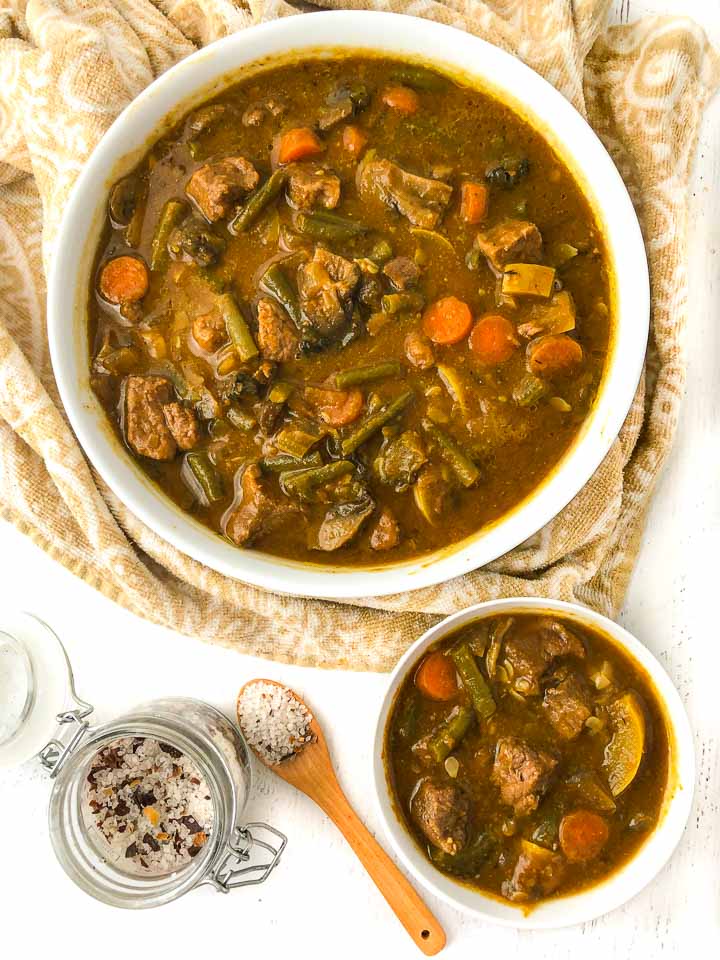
533, 762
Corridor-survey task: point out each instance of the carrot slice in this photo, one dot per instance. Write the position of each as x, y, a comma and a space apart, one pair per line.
400, 98
447, 320
583, 834
336, 407
493, 339
554, 355
353, 139
473, 201
298, 144
123, 280
436, 678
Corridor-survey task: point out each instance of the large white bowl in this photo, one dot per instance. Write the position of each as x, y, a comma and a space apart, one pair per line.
207, 72
621, 885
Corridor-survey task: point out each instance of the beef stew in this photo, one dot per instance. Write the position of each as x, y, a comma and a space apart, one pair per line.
528, 756
350, 310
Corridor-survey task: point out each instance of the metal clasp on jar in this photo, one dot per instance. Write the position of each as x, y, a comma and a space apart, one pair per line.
234, 869
54, 754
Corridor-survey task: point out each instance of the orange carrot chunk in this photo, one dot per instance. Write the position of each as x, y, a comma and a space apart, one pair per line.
401, 98
436, 678
473, 201
353, 139
123, 280
493, 339
336, 407
583, 834
447, 320
298, 144
553, 356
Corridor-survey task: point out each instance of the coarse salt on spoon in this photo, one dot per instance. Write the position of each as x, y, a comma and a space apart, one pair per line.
307, 766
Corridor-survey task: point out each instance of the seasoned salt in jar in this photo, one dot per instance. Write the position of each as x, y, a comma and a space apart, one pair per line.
146, 807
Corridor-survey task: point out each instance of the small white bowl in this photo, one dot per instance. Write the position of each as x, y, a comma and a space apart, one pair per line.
205, 74
625, 882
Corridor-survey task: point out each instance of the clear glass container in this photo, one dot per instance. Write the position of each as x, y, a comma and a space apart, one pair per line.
236, 853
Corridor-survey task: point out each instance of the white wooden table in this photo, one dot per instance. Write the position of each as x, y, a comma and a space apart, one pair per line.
319, 903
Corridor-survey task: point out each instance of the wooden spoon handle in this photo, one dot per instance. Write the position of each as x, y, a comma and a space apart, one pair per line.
402, 897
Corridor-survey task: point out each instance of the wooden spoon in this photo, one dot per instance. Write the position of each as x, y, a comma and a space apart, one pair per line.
310, 771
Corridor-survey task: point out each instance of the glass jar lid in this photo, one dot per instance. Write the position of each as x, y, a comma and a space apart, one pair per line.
36, 687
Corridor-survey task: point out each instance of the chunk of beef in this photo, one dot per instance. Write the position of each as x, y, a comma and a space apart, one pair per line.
310, 185
217, 187
443, 814
325, 286
385, 535
204, 120
335, 113
276, 336
258, 511
418, 350
421, 200
209, 331
567, 703
182, 424
510, 241
370, 292
402, 272
256, 113
342, 104
145, 426
341, 524
538, 872
522, 773
400, 460
532, 647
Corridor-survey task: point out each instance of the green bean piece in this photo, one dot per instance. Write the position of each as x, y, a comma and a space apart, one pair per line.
419, 78
204, 471
283, 462
451, 452
237, 328
402, 302
375, 422
172, 213
451, 731
258, 201
239, 418
328, 226
183, 389
301, 484
473, 681
371, 371
381, 251
278, 286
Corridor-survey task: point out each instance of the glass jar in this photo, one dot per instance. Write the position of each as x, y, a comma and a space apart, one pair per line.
235, 854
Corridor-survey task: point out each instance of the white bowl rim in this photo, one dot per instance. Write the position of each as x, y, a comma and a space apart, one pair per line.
622, 885
404, 37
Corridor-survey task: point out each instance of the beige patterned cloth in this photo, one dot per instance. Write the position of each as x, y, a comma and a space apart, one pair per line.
67, 68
